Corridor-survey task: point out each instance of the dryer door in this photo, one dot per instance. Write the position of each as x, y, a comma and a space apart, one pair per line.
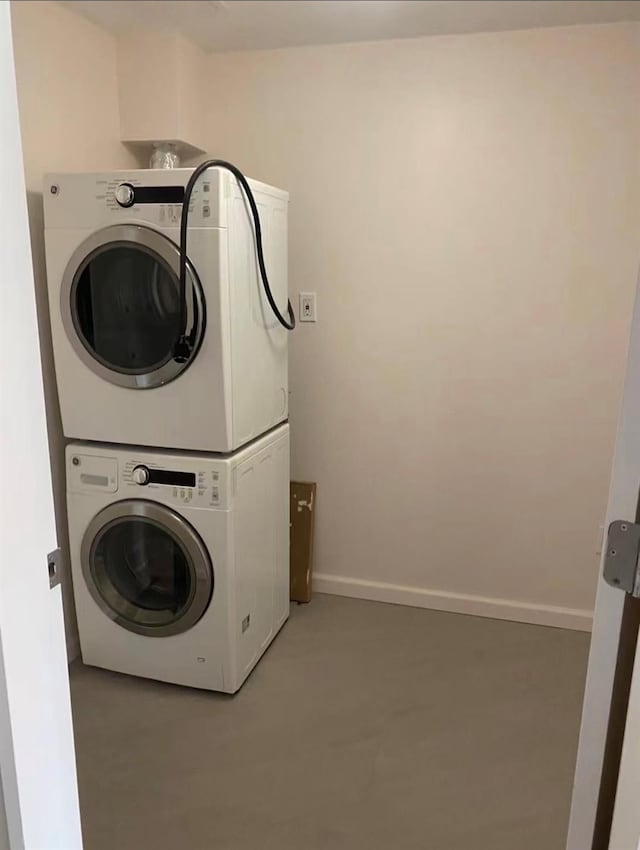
147, 568
121, 307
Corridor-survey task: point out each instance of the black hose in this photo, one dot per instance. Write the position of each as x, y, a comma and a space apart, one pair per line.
184, 345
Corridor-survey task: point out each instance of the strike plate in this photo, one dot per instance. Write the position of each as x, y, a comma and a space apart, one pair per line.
53, 566
621, 559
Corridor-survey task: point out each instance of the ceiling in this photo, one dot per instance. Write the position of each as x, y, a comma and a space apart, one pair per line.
218, 25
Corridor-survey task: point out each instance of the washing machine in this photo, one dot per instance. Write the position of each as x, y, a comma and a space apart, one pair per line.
180, 562
112, 255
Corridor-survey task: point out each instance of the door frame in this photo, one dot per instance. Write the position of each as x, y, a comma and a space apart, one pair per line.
37, 760
613, 637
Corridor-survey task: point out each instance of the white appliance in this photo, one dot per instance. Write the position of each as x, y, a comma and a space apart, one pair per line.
180, 561
112, 250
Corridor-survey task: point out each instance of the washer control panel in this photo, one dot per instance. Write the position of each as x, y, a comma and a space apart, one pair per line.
187, 481
184, 484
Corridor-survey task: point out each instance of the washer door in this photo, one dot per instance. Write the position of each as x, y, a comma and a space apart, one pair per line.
120, 303
147, 568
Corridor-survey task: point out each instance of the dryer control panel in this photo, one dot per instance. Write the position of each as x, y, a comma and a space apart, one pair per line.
181, 481
148, 196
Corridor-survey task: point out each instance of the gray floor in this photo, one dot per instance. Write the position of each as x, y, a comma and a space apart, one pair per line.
365, 726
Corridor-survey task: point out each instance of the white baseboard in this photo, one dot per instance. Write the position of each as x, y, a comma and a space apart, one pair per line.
456, 603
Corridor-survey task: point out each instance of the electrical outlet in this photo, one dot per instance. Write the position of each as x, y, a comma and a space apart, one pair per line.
307, 306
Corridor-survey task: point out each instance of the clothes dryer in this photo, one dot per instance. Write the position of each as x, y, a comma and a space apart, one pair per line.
113, 269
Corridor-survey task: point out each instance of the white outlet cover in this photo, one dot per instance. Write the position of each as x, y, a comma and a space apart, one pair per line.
307, 306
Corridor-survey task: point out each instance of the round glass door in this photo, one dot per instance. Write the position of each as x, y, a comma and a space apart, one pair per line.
147, 568
120, 304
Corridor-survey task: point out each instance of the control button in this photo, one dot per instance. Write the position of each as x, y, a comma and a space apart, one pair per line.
141, 475
125, 195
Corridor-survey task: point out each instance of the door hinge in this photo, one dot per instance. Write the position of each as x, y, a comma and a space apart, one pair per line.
621, 559
53, 566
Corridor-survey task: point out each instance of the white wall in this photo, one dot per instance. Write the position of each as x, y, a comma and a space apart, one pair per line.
66, 71
468, 210
4, 837
161, 89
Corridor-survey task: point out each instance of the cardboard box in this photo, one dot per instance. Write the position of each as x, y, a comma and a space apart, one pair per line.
302, 521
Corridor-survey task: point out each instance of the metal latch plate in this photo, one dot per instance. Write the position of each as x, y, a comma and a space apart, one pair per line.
53, 566
622, 556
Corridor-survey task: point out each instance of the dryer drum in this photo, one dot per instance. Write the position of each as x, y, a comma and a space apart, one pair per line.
121, 307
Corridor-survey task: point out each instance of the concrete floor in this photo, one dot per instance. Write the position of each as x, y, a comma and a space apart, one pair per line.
365, 727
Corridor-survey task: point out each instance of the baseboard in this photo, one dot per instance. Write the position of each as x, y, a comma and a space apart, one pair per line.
456, 603
73, 647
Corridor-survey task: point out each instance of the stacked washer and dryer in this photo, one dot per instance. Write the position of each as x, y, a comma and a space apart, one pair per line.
178, 473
